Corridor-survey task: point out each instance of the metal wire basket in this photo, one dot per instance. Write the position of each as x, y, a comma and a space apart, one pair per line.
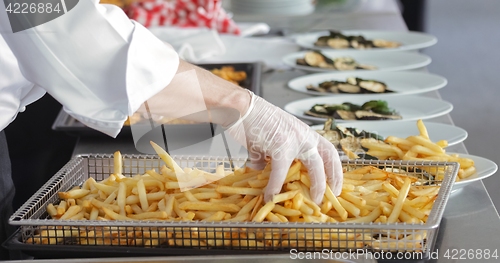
205, 237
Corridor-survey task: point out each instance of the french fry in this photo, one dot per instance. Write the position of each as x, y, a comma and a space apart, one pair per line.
284, 196
388, 187
442, 143
260, 198
399, 141
94, 213
368, 218
117, 163
111, 197
61, 208
422, 129
266, 209
398, 206
426, 143
207, 206
247, 208
72, 210
114, 215
335, 203
358, 201
466, 172
150, 215
256, 183
413, 211
157, 176
167, 159
51, 210
100, 205
271, 217
238, 190
141, 192
207, 195
278, 209
121, 197
351, 208
73, 194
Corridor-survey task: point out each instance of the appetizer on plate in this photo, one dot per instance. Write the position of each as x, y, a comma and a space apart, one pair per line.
317, 59
337, 40
352, 85
370, 110
346, 138
413, 148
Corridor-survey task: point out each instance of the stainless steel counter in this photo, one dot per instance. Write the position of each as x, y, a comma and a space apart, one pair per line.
211, 259
470, 220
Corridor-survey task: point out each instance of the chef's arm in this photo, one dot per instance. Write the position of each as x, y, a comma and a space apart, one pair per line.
264, 129
100, 65
198, 95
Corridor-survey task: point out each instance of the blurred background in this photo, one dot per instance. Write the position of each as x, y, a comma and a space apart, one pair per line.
466, 54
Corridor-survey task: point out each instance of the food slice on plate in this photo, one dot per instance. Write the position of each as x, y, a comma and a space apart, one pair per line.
370, 110
317, 59
337, 40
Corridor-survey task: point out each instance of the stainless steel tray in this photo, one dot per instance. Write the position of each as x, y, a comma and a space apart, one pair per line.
259, 237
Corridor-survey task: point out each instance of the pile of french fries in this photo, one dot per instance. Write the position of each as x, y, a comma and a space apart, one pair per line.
369, 194
417, 148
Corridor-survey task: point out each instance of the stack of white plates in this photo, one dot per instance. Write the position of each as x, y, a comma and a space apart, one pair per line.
275, 7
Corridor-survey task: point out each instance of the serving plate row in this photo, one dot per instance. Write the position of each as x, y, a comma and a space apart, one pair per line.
411, 108
400, 82
383, 61
408, 40
394, 68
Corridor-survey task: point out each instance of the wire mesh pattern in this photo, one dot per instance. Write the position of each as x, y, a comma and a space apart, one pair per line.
38, 229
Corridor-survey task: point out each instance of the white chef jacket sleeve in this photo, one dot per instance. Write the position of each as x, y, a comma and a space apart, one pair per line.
15, 91
97, 63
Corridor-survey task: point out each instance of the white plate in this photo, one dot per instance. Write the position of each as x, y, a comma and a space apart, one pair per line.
403, 129
484, 169
392, 61
411, 108
402, 82
409, 40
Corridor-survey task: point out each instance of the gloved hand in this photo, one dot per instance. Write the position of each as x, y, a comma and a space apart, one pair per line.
271, 132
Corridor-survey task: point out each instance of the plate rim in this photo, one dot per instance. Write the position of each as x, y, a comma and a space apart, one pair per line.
425, 61
315, 120
416, 91
432, 41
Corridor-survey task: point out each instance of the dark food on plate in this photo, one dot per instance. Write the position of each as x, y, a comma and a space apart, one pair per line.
317, 59
353, 85
346, 137
371, 110
338, 40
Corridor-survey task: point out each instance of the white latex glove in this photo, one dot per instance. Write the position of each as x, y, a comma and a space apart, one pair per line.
271, 132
